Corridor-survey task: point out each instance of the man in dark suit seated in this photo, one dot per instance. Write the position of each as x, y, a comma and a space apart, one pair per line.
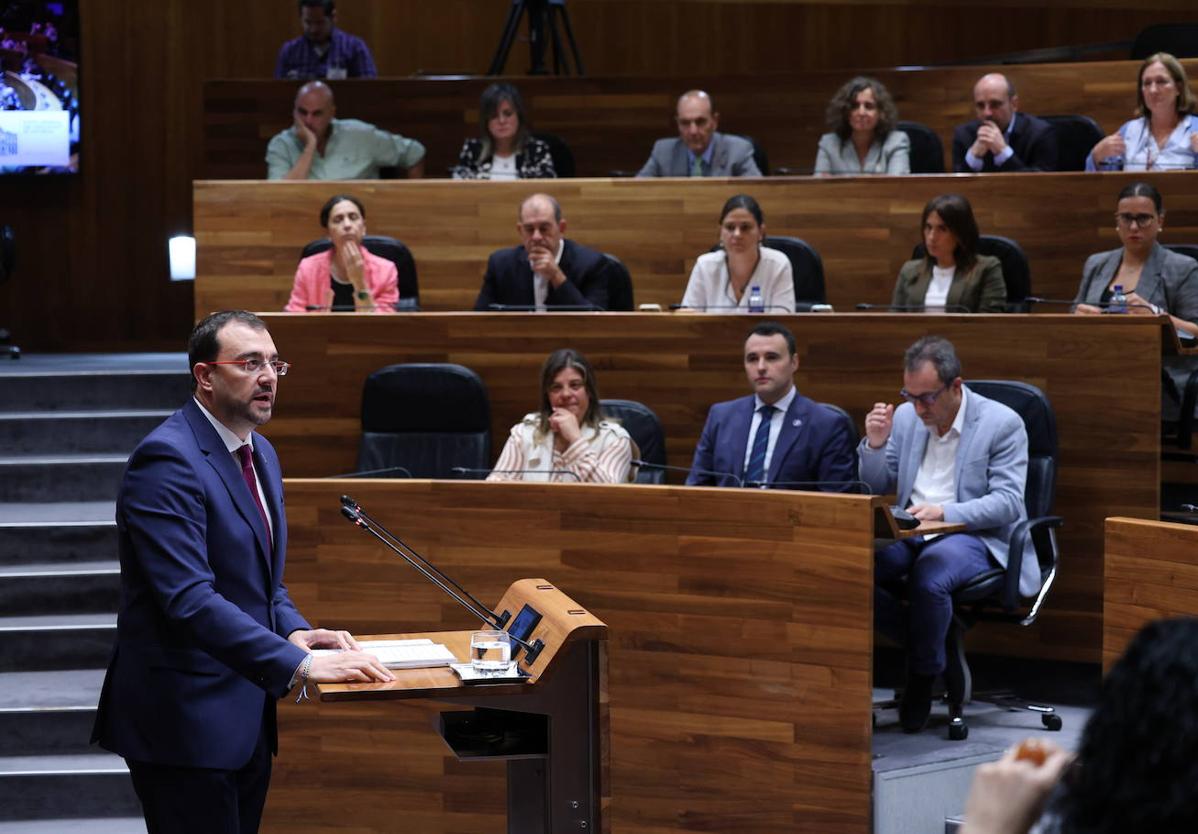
1001, 138
207, 637
699, 150
546, 270
775, 437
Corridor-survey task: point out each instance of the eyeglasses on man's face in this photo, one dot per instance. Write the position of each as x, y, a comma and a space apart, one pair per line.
926, 400
1126, 220
254, 365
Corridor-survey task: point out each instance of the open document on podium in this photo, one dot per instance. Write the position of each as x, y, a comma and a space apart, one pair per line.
404, 654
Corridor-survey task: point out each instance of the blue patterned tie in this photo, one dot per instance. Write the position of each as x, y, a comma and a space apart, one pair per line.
755, 471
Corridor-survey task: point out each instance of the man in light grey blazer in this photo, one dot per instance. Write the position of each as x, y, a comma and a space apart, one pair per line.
951, 455
700, 150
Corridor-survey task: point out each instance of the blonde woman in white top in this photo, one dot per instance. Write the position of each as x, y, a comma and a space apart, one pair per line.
568, 439
722, 281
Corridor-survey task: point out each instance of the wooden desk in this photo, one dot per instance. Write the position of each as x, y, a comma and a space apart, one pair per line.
611, 123
680, 365
886, 527
739, 653
1150, 571
249, 234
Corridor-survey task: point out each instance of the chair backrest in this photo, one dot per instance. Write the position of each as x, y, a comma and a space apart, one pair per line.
642, 424
846, 419
1016, 272
1178, 39
394, 251
927, 151
427, 418
1033, 407
1190, 250
759, 156
1076, 136
8, 252
563, 157
619, 286
805, 264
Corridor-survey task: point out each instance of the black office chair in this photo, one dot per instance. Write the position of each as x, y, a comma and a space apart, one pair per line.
641, 422
619, 286
1179, 433
1016, 272
563, 157
854, 438
1178, 39
1076, 136
759, 155
422, 420
927, 151
8, 263
994, 595
806, 266
394, 251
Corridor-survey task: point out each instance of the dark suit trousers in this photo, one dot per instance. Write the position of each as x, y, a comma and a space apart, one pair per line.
197, 800
933, 570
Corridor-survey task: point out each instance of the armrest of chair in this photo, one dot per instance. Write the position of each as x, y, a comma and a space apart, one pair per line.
1019, 537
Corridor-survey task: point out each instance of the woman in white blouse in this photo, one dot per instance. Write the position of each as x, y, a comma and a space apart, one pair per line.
568, 439
1164, 134
864, 138
952, 275
723, 281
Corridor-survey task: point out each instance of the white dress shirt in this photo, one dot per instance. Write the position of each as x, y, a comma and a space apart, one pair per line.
504, 167
540, 284
936, 481
1000, 159
233, 443
782, 406
942, 279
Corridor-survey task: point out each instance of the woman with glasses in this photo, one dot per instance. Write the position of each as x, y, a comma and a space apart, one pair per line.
346, 277
1164, 134
952, 276
863, 137
567, 439
505, 148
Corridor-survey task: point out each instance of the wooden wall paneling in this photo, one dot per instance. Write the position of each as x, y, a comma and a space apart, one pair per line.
680, 365
739, 651
249, 234
610, 123
1149, 573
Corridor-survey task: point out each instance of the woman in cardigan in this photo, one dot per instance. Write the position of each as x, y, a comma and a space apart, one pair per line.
505, 149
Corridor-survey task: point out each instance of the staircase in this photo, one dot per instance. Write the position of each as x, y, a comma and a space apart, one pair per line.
67, 424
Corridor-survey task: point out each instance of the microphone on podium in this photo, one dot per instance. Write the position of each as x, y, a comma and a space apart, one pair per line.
824, 486
466, 470
913, 308
387, 471
550, 308
686, 470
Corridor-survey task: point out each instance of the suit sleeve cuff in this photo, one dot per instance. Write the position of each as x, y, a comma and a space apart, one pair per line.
972, 161
1001, 159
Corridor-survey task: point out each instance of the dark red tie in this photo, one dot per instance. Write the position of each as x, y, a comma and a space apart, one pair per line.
247, 472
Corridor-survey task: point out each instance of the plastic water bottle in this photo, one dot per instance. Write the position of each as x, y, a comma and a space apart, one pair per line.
756, 302
1118, 300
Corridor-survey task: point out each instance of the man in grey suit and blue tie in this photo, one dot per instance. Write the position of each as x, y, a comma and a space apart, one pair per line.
775, 437
952, 455
700, 150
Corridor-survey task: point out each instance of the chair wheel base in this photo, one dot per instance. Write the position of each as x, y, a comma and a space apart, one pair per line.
1051, 721
958, 730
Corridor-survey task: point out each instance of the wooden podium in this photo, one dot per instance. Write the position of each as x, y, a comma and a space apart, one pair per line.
548, 728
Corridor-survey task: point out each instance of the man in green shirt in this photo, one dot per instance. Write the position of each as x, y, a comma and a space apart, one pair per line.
320, 147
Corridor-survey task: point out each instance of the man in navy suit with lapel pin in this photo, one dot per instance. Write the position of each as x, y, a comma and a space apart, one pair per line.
776, 437
207, 637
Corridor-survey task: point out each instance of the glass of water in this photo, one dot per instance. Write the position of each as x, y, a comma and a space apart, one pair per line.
490, 651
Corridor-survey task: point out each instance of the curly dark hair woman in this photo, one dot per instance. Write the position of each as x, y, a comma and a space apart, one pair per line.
863, 138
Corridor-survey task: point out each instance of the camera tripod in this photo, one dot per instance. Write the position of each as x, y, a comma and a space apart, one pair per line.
542, 14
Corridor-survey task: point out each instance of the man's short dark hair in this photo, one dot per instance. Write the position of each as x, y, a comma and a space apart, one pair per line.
329, 6
937, 350
772, 328
204, 344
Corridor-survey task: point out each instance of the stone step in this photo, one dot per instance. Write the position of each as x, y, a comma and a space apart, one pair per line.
66, 477
49, 713
38, 644
94, 390
48, 588
111, 825
58, 534
55, 432
65, 787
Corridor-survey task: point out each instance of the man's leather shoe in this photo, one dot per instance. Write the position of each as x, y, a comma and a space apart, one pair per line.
916, 705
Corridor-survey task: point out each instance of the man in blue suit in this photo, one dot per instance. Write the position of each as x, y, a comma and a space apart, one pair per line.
776, 437
207, 637
953, 456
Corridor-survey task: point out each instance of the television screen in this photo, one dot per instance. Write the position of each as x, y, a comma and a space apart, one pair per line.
39, 86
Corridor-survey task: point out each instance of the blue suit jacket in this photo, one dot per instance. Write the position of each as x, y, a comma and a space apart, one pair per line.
813, 445
990, 474
201, 651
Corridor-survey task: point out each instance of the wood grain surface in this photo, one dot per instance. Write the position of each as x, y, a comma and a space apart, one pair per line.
249, 234
610, 123
1150, 571
1100, 373
740, 640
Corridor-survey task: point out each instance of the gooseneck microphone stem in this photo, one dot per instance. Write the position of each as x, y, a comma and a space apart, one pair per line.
361, 519
686, 470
